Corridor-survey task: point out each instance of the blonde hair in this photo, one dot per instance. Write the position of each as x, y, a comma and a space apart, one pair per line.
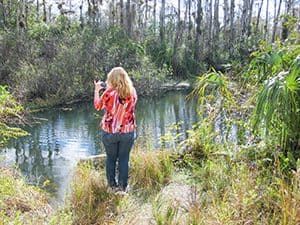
118, 78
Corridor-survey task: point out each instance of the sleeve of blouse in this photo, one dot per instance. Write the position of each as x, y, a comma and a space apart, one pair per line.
135, 96
99, 104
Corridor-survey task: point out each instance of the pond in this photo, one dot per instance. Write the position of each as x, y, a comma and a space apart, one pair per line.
64, 136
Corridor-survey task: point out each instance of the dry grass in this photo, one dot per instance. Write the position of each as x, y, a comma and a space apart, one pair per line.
150, 170
224, 192
19, 202
249, 197
90, 201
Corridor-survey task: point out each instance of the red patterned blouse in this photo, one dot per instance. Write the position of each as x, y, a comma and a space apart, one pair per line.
119, 114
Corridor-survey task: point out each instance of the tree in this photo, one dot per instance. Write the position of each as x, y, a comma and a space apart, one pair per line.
285, 29
216, 30
198, 30
258, 16
232, 30
128, 18
267, 21
162, 22
276, 18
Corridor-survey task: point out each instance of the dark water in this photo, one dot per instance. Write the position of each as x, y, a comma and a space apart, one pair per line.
66, 135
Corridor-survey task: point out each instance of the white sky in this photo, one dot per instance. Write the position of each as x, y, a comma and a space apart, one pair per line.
74, 5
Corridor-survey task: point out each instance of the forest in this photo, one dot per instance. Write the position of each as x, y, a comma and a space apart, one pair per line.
242, 59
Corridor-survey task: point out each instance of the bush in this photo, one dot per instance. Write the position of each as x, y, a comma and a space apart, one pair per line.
9, 112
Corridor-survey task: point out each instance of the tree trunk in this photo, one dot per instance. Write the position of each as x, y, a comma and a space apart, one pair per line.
258, 16
232, 31
267, 20
177, 34
216, 28
44, 11
226, 22
146, 13
3, 13
26, 14
198, 30
132, 18
178, 37
245, 17
189, 2
140, 23
250, 18
225, 17
17, 20
154, 16
128, 18
121, 14
276, 17
185, 15
162, 21
37, 10
285, 29
209, 25
112, 12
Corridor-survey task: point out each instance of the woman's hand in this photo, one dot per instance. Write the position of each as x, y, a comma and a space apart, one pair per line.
98, 85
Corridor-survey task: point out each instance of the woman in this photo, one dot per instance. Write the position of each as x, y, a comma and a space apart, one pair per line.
118, 123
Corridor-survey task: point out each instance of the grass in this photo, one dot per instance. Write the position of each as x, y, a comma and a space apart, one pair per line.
234, 192
165, 212
90, 201
21, 203
225, 191
150, 170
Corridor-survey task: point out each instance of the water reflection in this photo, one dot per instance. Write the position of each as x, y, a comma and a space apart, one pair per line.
55, 145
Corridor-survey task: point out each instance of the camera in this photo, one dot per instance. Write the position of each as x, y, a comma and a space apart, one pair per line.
103, 84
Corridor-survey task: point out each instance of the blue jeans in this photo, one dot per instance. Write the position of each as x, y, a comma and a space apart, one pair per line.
117, 147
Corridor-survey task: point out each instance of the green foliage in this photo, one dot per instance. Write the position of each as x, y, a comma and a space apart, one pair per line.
278, 99
210, 87
9, 109
214, 99
270, 60
182, 63
60, 61
200, 143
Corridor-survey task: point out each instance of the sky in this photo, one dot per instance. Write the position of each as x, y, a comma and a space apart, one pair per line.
74, 4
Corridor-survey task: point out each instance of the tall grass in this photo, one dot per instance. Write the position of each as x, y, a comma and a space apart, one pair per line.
150, 169
90, 201
236, 192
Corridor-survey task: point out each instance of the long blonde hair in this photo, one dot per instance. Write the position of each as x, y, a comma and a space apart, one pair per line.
118, 78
